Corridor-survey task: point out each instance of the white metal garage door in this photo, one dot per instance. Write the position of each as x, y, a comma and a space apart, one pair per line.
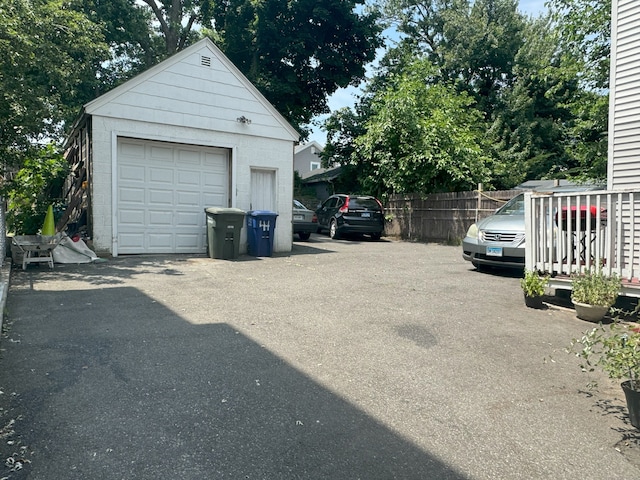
162, 191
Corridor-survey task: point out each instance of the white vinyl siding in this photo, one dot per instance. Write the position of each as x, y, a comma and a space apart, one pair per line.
162, 191
624, 110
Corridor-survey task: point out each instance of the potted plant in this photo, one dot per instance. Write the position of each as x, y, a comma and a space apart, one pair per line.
534, 285
593, 293
616, 350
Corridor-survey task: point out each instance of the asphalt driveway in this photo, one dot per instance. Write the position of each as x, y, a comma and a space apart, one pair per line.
344, 360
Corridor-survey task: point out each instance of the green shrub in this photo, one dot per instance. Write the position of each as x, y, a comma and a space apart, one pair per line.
34, 187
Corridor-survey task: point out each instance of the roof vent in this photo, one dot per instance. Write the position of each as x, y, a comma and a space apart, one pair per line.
205, 61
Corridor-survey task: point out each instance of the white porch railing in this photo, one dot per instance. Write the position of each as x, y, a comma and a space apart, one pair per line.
570, 232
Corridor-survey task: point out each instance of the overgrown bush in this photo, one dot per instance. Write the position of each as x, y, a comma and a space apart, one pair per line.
34, 187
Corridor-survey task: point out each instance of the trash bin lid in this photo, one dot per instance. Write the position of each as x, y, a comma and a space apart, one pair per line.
260, 213
224, 211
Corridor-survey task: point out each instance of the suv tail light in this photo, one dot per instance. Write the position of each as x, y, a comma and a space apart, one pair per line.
314, 219
345, 207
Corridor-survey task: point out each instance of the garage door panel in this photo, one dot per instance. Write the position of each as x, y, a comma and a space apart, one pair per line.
163, 190
187, 219
129, 216
189, 157
132, 149
190, 199
188, 178
131, 195
214, 200
160, 242
214, 181
161, 175
131, 241
161, 153
187, 241
131, 172
160, 197
215, 159
160, 218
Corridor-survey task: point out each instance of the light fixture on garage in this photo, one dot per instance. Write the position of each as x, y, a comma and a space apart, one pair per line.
244, 120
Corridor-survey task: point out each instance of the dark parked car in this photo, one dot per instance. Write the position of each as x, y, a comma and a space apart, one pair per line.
305, 221
342, 214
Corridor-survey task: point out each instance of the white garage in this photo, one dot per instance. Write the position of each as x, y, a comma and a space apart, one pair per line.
163, 188
190, 133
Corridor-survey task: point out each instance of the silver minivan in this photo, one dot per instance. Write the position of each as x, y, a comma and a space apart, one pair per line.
498, 240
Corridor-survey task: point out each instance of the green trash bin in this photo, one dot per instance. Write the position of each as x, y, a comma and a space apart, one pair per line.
224, 226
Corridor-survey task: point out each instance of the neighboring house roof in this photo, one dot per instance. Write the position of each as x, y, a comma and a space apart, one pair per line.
221, 76
301, 148
559, 186
322, 175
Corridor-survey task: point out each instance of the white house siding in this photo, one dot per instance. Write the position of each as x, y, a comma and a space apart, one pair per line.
624, 109
188, 100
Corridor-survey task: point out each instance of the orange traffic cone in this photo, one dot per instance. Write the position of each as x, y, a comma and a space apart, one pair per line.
49, 227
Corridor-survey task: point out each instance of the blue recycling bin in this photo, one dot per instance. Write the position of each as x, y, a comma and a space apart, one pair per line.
261, 225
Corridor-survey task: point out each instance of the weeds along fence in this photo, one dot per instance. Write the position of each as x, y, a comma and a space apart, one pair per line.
440, 217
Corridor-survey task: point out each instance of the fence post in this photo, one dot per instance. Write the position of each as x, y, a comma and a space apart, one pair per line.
479, 204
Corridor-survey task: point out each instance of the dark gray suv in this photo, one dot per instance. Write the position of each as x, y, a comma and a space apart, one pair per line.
341, 214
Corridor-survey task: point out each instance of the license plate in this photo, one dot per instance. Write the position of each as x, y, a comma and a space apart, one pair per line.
298, 217
494, 251
365, 215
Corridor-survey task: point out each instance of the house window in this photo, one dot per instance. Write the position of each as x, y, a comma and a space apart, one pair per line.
315, 165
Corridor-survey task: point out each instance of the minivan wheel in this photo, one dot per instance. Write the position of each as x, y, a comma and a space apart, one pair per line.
375, 236
333, 230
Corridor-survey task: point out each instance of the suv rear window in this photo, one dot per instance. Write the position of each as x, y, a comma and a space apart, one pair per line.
363, 202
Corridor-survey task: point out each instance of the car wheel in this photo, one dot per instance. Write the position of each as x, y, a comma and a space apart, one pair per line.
376, 236
304, 235
333, 230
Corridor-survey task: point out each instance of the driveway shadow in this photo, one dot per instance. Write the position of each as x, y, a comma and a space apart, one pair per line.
108, 383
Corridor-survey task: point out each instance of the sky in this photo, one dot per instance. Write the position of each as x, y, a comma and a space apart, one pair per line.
345, 97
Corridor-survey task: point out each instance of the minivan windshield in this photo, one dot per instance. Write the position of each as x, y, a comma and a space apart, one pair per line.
515, 206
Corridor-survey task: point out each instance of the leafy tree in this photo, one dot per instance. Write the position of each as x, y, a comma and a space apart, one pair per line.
533, 115
134, 45
422, 138
178, 18
35, 186
585, 27
47, 70
298, 52
586, 32
473, 44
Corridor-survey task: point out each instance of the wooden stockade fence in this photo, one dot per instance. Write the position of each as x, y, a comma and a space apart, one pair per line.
441, 217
